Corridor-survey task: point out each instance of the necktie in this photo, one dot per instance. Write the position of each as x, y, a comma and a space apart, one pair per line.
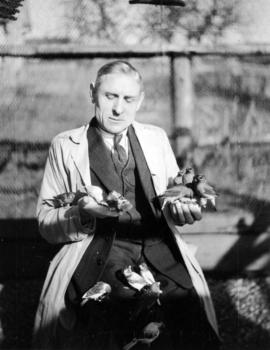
119, 155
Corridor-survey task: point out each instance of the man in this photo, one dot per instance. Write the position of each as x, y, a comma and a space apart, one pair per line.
115, 153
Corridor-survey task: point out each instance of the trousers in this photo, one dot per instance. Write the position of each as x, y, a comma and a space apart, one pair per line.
114, 323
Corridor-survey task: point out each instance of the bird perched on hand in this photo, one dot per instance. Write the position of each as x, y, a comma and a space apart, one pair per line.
179, 191
203, 190
149, 333
188, 176
65, 199
179, 177
98, 292
175, 193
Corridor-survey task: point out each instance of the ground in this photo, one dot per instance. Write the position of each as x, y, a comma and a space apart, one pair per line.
242, 305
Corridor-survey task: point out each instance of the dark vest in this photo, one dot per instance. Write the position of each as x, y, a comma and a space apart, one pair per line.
144, 222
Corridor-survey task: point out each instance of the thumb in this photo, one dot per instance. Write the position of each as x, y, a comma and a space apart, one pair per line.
86, 201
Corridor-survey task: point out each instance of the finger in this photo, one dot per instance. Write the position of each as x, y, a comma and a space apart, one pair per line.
87, 202
178, 220
173, 213
113, 213
105, 212
196, 211
89, 205
187, 214
180, 213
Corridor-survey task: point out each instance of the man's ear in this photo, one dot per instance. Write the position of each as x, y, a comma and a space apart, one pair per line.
92, 93
140, 101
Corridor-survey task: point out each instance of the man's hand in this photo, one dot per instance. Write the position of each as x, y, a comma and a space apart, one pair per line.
184, 213
89, 207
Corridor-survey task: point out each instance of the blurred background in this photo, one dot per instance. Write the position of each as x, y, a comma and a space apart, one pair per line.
207, 83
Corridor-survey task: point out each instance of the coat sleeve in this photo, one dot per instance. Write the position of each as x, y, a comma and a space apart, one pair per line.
62, 224
171, 166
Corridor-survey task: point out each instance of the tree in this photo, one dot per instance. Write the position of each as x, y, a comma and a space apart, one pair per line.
116, 21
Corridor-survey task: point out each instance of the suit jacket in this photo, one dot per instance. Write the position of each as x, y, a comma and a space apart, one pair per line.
105, 176
67, 169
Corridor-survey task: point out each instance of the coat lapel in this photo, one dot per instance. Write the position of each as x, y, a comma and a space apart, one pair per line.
143, 170
100, 160
79, 166
152, 150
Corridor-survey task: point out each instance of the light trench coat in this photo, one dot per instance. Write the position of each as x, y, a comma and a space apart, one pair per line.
67, 169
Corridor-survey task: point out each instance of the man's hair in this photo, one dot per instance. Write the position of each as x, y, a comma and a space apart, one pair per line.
122, 67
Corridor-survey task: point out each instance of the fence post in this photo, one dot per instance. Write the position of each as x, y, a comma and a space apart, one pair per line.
182, 102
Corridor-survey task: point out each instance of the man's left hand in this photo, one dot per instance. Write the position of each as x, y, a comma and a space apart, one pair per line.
184, 213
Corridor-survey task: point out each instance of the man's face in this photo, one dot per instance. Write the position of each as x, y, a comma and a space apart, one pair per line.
117, 100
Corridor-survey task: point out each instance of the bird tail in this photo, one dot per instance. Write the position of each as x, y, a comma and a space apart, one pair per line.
213, 202
130, 345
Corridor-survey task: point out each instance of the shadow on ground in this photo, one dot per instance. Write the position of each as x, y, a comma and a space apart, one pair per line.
242, 303
242, 310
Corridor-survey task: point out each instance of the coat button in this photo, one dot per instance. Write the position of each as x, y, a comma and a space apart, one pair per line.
100, 261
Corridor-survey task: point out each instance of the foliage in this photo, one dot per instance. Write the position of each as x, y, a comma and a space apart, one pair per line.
118, 22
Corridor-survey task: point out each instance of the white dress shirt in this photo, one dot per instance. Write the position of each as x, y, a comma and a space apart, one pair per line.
109, 140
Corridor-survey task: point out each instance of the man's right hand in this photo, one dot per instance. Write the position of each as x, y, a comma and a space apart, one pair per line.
88, 207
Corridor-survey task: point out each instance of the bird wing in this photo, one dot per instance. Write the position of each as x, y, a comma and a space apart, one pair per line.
179, 191
130, 345
134, 279
206, 190
99, 289
209, 190
146, 273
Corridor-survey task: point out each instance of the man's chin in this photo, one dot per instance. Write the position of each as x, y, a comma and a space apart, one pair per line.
115, 129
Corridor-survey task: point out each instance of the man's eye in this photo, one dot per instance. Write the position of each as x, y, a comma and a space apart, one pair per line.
129, 99
110, 96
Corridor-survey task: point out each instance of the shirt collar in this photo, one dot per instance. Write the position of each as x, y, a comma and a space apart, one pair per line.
108, 136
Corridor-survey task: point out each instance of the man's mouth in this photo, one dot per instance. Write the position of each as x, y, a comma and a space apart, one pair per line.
116, 119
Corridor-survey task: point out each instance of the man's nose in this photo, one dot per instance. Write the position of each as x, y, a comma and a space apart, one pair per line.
118, 107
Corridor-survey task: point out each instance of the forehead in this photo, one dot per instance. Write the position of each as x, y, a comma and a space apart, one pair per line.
120, 83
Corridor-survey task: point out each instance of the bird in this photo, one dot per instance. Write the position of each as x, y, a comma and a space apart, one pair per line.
176, 193
61, 200
152, 291
65, 199
134, 279
148, 334
203, 190
188, 176
146, 273
98, 292
72, 198
117, 202
179, 177
179, 191
148, 290
146, 298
